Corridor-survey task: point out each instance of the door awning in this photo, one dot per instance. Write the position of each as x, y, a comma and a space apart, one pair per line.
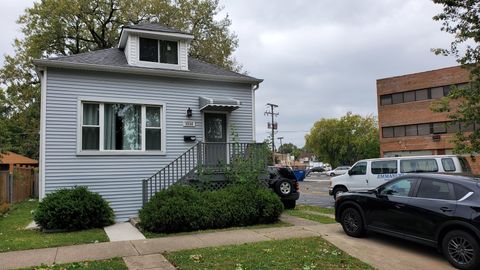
219, 104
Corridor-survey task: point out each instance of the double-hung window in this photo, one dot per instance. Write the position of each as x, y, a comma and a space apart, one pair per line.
159, 51
109, 127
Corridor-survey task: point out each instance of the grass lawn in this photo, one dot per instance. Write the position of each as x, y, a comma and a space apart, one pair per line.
302, 254
259, 226
112, 264
301, 211
13, 235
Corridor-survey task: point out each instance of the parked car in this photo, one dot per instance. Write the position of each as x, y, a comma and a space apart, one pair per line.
283, 181
318, 169
371, 173
339, 171
437, 210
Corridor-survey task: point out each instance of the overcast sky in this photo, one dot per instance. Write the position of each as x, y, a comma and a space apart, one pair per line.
319, 59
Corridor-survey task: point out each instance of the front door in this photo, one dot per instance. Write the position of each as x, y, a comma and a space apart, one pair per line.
215, 125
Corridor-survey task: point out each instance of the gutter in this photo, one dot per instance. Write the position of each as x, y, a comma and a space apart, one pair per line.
146, 71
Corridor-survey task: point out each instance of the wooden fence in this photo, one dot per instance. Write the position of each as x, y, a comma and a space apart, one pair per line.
20, 185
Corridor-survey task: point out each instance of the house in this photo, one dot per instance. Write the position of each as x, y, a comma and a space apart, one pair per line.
408, 127
112, 118
9, 160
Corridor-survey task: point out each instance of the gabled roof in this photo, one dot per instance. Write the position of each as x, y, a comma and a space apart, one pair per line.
13, 158
155, 27
114, 60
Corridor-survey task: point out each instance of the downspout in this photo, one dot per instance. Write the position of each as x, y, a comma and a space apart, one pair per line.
254, 131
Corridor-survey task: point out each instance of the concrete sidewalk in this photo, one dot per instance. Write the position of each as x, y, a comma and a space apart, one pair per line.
378, 251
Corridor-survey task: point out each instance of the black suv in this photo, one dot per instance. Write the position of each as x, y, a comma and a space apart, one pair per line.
442, 211
283, 181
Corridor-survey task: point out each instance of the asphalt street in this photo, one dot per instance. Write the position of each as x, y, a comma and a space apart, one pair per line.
314, 191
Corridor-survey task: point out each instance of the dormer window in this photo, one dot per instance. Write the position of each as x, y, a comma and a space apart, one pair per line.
158, 51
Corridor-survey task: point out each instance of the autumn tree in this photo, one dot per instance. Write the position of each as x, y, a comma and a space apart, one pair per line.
462, 19
344, 141
65, 27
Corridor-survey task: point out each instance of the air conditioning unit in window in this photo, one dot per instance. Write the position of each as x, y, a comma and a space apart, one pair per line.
436, 137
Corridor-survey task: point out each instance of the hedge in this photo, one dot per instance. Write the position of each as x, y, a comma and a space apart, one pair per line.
183, 208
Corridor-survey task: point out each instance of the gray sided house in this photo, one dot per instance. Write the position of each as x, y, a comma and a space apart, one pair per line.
112, 118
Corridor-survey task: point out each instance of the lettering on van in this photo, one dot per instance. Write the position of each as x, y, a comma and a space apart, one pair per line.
388, 176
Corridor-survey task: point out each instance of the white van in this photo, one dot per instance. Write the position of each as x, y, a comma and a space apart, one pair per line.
370, 173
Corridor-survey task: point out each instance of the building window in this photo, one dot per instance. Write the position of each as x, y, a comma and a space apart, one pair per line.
148, 50
436, 92
439, 128
423, 129
421, 94
411, 130
466, 127
386, 100
159, 51
90, 127
447, 90
409, 96
387, 132
453, 127
107, 127
399, 131
397, 98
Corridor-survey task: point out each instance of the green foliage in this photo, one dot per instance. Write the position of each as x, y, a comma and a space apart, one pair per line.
462, 20
65, 27
73, 209
248, 169
290, 148
344, 141
184, 208
110, 264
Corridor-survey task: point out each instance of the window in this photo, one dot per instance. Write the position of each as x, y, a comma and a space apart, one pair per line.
399, 131
439, 128
387, 132
435, 189
359, 169
447, 90
153, 128
453, 127
424, 129
466, 127
121, 127
384, 167
397, 98
436, 92
409, 96
448, 164
411, 130
168, 52
148, 50
465, 166
460, 191
159, 51
421, 94
401, 187
90, 127
386, 100
418, 165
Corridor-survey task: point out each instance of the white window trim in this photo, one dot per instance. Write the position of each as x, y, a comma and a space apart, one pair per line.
159, 64
101, 101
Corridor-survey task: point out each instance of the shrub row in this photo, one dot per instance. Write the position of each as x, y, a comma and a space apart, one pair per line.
183, 208
73, 209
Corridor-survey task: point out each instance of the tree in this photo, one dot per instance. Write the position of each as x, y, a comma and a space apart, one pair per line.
290, 148
344, 141
462, 19
65, 27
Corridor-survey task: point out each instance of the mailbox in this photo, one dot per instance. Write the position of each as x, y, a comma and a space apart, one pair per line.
189, 138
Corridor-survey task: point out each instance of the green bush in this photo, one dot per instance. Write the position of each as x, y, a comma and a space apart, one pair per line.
73, 209
183, 208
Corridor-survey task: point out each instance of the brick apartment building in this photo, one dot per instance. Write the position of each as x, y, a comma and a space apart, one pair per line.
407, 125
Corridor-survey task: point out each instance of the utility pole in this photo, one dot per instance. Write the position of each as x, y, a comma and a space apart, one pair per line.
273, 126
280, 139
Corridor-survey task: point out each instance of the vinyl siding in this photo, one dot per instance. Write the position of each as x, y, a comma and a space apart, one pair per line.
118, 178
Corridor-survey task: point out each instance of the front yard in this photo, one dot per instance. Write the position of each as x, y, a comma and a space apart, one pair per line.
14, 236
305, 254
112, 264
314, 213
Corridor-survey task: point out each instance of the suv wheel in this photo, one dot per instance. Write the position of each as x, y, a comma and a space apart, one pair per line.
352, 222
461, 249
283, 187
337, 191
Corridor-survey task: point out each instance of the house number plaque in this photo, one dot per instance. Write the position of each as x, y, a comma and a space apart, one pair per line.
188, 123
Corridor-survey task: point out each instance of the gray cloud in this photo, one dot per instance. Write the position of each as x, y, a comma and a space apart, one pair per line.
318, 58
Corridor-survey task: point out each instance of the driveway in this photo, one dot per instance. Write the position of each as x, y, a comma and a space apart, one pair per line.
383, 252
314, 191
